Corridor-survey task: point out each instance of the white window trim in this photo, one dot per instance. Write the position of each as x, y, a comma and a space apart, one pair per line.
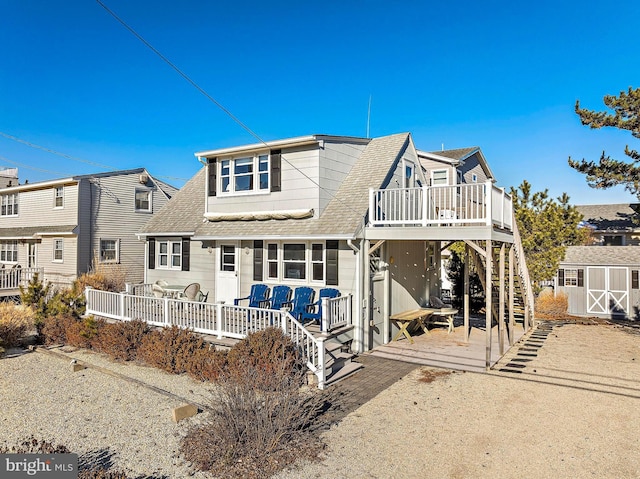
308, 280
256, 190
117, 258
474, 178
433, 172
54, 249
55, 197
15, 203
573, 277
135, 206
169, 254
9, 248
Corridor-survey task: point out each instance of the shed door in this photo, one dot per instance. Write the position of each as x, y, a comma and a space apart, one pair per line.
607, 290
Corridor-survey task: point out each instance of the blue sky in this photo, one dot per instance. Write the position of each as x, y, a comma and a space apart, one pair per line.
502, 75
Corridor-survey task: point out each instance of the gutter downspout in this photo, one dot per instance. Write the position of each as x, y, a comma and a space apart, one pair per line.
358, 337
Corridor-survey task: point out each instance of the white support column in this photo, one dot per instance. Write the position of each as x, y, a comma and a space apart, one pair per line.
488, 195
488, 301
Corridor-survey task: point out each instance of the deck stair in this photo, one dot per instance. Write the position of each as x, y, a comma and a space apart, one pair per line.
339, 358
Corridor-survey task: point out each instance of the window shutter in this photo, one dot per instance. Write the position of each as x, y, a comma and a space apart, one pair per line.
185, 253
332, 262
151, 259
213, 176
560, 277
258, 260
276, 170
580, 278
635, 283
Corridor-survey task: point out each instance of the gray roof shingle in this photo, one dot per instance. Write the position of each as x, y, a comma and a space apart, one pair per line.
342, 216
615, 217
602, 255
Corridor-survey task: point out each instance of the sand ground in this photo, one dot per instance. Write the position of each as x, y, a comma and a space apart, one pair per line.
572, 412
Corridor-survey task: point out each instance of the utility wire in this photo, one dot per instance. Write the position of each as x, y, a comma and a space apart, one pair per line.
68, 157
210, 98
2, 158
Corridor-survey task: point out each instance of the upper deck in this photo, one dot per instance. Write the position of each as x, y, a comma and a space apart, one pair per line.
477, 211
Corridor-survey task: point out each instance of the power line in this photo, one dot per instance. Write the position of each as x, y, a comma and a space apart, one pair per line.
210, 98
41, 170
68, 157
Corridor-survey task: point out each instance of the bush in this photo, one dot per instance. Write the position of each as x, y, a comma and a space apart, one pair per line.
170, 349
270, 352
54, 329
36, 295
121, 340
252, 432
15, 322
207, 364
552, 305
103, 276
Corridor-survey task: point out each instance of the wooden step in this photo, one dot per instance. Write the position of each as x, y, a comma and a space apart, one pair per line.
344, 372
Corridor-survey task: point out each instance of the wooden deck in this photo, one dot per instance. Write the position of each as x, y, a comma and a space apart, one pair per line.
441, 350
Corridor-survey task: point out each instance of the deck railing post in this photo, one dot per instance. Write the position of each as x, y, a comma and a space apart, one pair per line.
425, 204
324, 320
218, 319
372, 215
165, 311
488, 194
121, 310
321, 372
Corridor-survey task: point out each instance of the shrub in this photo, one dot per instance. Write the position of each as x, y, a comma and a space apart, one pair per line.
270, 352
103, 276
54, 329
207, 364
170, 348
553, 305
15, 322
82, 333
67, 302
252, 432
36, 295
121, 340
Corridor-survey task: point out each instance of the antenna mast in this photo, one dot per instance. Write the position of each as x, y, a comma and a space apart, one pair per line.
368, 116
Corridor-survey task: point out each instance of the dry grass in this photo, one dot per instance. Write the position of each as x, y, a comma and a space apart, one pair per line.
551, 304
15, 322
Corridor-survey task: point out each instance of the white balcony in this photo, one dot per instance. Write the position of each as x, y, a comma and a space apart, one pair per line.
477, 204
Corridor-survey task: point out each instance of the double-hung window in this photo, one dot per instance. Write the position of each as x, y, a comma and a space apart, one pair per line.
169, 254
439, 177
248, 174
9, 204
143, 200
58, 250
303, 262
58, 197
9, 251
109, 251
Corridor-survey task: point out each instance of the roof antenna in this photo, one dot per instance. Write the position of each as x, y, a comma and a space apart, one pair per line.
443, 147
368, 116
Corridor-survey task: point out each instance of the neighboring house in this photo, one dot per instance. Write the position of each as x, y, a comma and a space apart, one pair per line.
601, 279
64, 226
356, 214
612, 225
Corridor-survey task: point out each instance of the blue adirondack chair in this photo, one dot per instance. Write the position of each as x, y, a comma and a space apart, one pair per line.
259, 293
302, 299
280, 295
314, 313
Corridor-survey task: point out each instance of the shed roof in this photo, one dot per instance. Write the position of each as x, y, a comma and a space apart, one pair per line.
602, 256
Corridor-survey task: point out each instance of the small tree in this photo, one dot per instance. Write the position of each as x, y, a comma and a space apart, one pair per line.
608, 172
36, 295
547, 226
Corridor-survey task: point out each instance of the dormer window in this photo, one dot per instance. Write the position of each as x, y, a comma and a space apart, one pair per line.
246, 174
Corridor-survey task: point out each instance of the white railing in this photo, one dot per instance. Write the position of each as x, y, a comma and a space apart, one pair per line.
221, 320
13, 278
336, 312
466, 204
